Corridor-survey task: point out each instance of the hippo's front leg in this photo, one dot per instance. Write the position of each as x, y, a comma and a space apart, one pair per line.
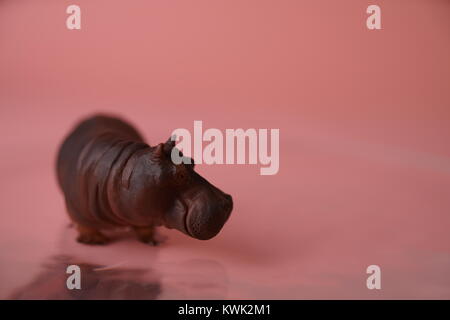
90, 236
146, 235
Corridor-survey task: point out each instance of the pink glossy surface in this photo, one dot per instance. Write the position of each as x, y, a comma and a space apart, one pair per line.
364, 126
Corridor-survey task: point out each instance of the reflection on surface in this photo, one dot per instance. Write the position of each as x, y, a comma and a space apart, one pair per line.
194, 279
124, 269
97, 282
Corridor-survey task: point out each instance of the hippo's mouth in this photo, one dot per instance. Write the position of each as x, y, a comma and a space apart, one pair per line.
177, 217
188, 219
186, 214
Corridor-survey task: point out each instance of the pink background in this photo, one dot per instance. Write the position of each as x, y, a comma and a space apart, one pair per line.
364, 125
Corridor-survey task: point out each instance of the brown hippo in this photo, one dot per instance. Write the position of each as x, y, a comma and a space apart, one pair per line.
111, 178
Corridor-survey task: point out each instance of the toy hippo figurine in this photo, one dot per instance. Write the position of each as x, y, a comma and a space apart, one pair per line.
111, 178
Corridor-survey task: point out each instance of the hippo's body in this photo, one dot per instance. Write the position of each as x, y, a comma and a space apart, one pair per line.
110, 178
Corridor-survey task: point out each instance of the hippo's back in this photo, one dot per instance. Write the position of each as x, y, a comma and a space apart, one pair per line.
87, 130
86, 158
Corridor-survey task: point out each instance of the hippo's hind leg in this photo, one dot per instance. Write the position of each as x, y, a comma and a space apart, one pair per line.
146, 235
89, 235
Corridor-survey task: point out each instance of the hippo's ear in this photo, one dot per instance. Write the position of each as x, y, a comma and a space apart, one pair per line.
169, 144
158, 152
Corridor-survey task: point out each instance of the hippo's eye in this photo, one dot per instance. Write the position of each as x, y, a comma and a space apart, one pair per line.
192, 164
181, 175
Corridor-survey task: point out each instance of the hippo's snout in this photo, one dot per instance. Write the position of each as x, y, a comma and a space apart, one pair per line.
200, 209
206, 217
